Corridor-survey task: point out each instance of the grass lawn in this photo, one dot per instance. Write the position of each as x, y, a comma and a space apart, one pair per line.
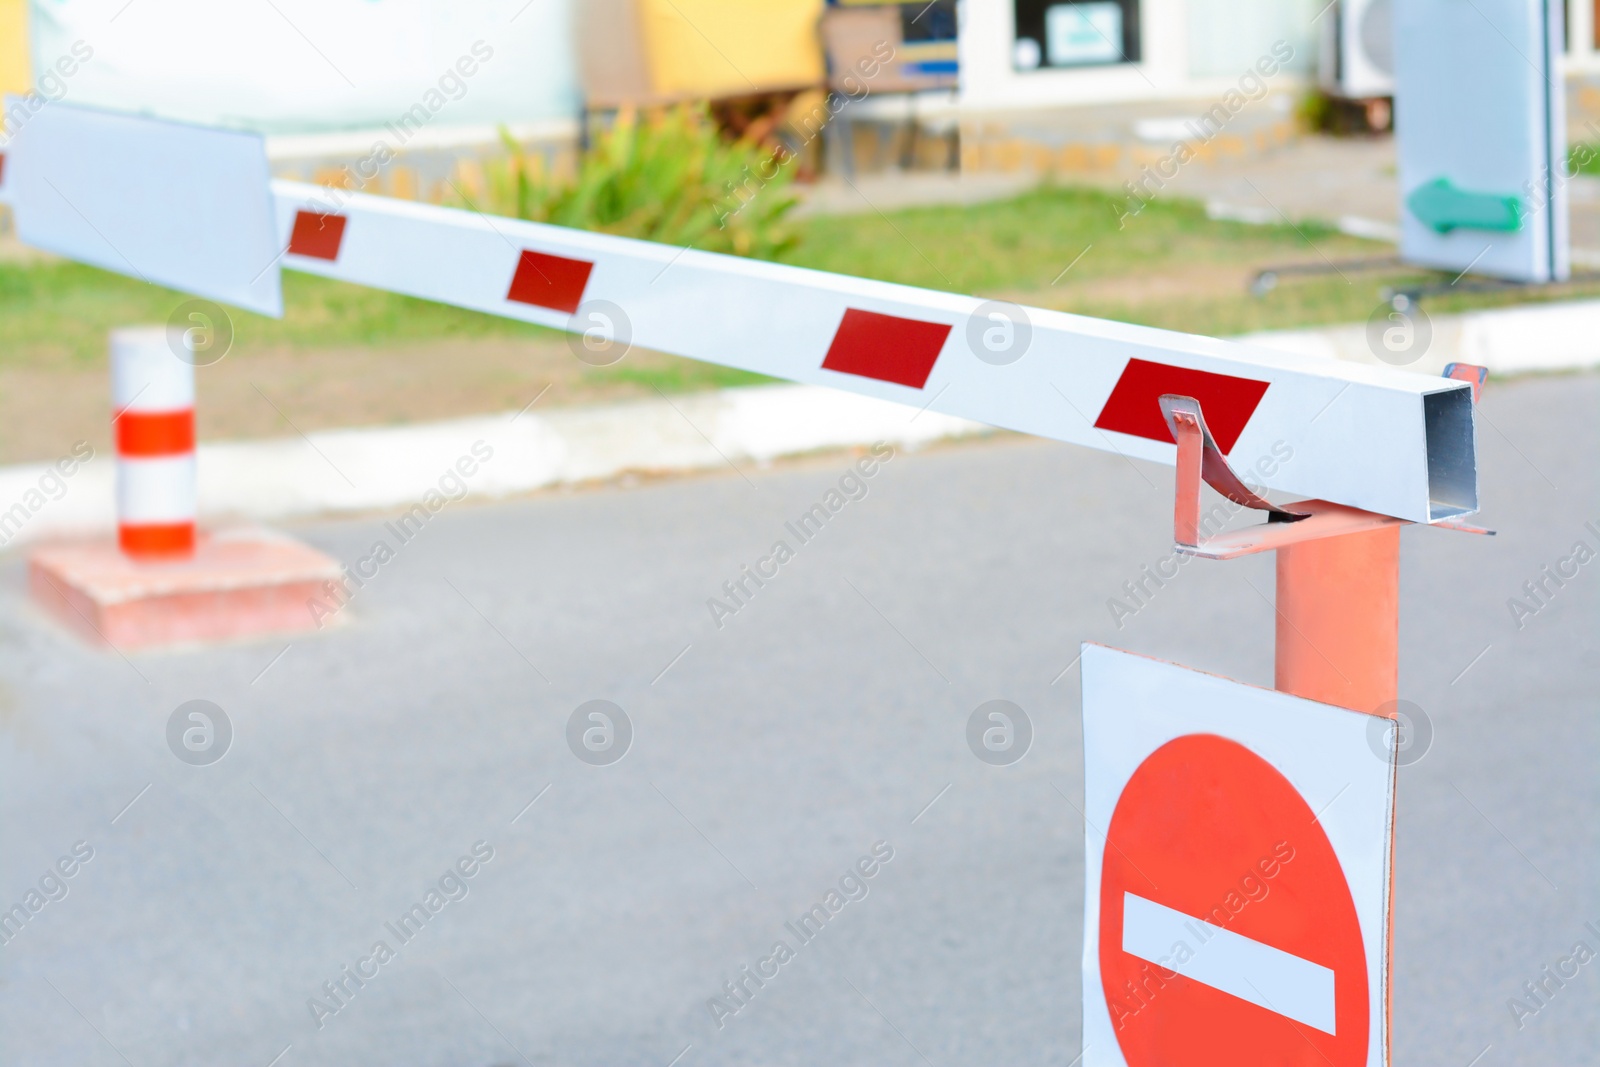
344, 355
1169, 266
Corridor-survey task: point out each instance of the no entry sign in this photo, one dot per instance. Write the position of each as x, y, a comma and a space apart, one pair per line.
1237, 900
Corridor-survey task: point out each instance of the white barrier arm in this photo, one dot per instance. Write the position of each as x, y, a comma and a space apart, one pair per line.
192, 208
1382, 440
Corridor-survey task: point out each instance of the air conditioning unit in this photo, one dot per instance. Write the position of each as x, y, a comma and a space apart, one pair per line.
1357, 53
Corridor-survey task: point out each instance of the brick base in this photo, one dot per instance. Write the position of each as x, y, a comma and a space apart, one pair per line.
237, 584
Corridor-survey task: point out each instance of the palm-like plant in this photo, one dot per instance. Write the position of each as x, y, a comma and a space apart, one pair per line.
670, 178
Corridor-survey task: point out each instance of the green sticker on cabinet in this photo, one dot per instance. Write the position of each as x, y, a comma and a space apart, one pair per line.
1443, 207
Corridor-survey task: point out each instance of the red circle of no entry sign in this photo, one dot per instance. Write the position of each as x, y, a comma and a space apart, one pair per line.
1228, 934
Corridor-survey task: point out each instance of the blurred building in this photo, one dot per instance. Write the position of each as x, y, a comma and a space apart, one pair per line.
328, 80
16, 69
642, 52
1043, 85
309, 66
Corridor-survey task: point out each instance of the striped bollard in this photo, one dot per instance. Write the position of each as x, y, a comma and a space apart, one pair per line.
152, 396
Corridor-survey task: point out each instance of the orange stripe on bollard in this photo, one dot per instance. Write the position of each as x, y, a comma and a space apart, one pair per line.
157, 539
155, 433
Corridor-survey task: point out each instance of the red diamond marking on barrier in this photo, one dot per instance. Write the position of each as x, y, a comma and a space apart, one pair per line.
886, 347
550, 282
1134, 406
2, 168
317, 235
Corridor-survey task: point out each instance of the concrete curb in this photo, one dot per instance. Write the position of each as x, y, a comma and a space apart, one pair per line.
1533, 337
1353, 225
351, 471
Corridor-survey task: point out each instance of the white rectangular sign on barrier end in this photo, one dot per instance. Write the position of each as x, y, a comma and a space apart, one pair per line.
1238, 872
186, 207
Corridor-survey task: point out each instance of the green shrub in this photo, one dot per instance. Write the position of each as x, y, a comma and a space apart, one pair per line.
1315, 111
669, 178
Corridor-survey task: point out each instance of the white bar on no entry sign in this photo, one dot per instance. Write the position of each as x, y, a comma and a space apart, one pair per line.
1239, 966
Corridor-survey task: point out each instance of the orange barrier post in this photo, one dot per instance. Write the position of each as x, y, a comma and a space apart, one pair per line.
1338, 623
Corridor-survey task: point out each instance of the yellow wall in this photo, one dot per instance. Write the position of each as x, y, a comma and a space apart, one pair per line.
15, 72
730, 47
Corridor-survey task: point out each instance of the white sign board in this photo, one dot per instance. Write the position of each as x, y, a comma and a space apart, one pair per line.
1480, 124
1238, 872
187, 207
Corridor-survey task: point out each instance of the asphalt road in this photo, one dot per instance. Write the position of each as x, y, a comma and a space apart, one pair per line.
768, 756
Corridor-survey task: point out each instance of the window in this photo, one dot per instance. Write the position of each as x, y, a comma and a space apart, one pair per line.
1078, 33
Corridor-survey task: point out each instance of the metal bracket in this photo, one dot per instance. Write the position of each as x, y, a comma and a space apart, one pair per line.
1187, 424
1200, 460
1470, 373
